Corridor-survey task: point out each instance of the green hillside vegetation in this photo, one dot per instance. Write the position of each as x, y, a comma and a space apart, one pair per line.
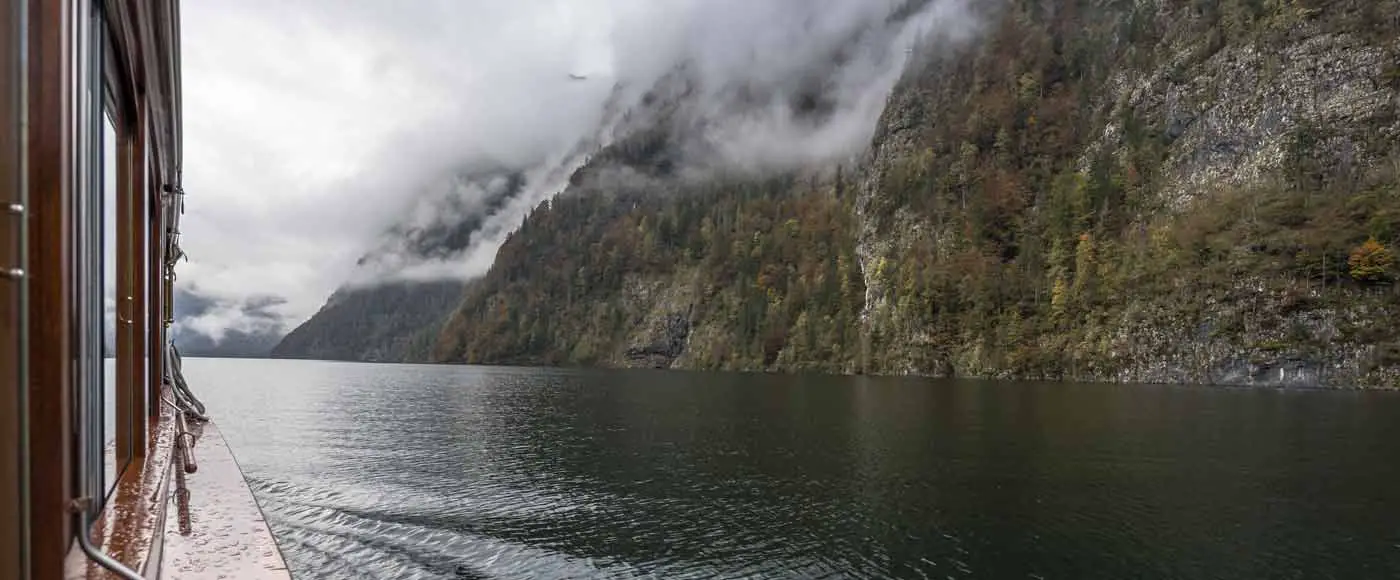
770, 261
1015, 218
1041, 249
391, 322
1186, 191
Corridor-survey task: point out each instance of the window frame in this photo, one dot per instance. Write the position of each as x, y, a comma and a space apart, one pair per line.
102, 95
89, 212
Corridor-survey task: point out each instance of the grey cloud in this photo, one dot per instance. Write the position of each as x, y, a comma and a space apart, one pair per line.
209, 326
740, 78
340, 121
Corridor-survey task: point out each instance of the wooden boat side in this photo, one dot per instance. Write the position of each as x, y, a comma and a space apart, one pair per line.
54, 88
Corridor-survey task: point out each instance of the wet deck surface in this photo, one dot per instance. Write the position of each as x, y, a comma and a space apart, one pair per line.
134, 514
229, 537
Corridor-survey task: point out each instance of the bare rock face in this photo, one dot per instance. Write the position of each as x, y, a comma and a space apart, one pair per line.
667, 343
1185, 104
1232, 119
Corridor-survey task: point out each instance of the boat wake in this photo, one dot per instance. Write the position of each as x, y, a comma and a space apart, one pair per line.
335, 535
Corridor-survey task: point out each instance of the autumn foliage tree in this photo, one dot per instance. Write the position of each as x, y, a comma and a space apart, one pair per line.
1371, 262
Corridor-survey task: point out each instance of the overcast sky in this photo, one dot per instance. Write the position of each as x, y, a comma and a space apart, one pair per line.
310, 127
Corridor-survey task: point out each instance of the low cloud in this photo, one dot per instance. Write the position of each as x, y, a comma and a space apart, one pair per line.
213, 326
215, 318
314, 128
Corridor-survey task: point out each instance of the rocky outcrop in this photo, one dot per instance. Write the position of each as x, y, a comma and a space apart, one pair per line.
1234, 119
667, 343
663, 332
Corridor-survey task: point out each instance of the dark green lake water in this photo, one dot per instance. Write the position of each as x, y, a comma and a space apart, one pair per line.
405, 471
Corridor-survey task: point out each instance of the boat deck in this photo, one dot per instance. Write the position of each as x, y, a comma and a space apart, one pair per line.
229, 537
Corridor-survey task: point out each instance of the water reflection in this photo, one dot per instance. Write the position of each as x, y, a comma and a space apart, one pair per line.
109, 303
416, 471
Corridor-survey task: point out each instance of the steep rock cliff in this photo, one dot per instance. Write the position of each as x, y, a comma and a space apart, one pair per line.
1124, 190
1180, 205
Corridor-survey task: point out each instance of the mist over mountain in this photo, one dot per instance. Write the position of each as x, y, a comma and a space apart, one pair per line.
1120, 191
721, 86
725, 104
206, 326
400, 290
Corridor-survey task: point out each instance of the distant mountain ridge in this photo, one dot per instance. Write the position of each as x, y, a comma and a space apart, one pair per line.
392, 322
379, 319
256, 341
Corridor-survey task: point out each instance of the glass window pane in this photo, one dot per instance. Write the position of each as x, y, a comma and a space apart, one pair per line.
143, 292
109, 303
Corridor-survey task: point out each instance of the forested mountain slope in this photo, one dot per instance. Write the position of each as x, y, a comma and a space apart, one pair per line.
393, 322
1152, 190
1174, 191
377, 319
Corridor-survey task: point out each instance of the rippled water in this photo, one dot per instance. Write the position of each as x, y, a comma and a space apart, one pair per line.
402, 471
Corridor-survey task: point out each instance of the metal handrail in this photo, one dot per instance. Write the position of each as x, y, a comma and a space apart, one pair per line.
94, 553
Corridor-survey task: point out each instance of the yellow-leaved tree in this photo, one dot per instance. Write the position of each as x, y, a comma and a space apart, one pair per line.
1371, 262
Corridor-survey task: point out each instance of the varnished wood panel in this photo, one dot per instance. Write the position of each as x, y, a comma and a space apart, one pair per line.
12, 501
50, 285
141, 76
127, 234
139, 259
131, 526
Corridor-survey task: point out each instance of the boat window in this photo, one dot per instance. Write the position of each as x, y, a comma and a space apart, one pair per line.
109, 424
97, 191
109, 303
